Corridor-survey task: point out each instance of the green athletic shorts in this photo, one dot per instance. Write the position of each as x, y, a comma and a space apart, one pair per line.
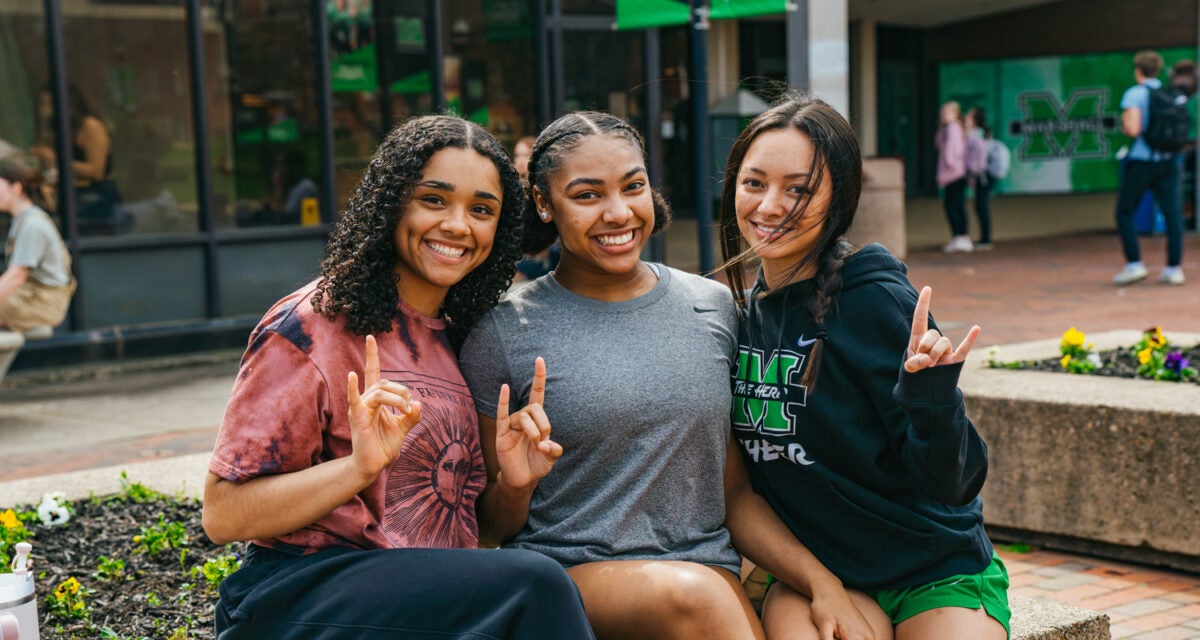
987, 589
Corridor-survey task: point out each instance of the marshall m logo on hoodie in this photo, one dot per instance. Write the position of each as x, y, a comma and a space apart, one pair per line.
766, 395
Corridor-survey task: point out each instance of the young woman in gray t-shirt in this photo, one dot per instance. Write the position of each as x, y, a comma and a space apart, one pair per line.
629, 363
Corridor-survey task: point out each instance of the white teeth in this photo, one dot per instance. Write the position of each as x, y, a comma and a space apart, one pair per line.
616, 240
449, 252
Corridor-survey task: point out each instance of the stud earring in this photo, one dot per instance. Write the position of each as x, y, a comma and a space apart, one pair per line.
545, 218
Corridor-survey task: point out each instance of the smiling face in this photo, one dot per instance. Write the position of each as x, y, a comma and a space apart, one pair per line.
447, 228
602, 206
773, 183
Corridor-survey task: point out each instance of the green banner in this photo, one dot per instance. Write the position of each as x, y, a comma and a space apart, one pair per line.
354, 71
642, 14
1059, 116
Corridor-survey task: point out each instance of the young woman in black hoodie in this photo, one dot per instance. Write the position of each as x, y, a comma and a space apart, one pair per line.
846, 403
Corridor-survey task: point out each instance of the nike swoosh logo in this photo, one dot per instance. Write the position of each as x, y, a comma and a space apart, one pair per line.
804, 343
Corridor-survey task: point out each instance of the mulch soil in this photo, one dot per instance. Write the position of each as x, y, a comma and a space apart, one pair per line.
157, 597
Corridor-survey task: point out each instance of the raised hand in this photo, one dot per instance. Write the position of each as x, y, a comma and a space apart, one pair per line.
928, 347
524, 449
380, 417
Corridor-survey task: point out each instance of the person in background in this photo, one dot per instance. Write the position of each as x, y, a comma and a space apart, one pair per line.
845, 398
978, 135
539, 264
1147, 169
37, 285
951, 144
360, 505
1184, 80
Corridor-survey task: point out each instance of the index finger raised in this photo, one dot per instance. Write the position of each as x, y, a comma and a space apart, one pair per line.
920, 323
537, 392
371, 369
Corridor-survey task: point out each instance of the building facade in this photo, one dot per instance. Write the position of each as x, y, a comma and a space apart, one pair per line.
239, 128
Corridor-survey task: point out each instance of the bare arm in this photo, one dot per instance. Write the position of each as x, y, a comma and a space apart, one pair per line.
93, 138
11, 280
759, 534
502, 510
272, 505
1131, 122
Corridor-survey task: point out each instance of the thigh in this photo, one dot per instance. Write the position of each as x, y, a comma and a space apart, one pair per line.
787, 615
663, 600
951, 623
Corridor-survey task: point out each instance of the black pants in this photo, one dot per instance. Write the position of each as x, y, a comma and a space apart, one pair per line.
955, 200
480, 594
983, 207
1162, 179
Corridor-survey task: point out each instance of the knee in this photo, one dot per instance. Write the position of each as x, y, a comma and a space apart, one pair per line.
697, 593
538, 573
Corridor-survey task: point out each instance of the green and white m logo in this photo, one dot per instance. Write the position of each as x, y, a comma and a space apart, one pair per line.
1074, 130
765, 393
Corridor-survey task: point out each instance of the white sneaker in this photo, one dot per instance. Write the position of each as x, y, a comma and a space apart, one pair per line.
1172, 275
959, 244
1132, 273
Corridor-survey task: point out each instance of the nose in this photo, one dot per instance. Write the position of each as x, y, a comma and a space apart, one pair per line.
775, 202
619, 211
456, 222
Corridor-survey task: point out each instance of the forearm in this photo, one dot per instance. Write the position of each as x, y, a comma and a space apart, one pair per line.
273, 505
11, 280
502, 512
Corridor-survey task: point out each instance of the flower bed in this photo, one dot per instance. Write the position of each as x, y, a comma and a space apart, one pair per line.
130, 566
1153, 358
1091, 463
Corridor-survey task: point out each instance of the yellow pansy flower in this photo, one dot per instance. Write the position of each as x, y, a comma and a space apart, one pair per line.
1073, 338
1066, 360
1144, 355
9, 519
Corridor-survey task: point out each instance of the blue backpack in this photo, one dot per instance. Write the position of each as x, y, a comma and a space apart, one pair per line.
998, 159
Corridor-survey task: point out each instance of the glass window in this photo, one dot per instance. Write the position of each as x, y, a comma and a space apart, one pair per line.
23, 74
262, 104
589, 7
601, 69
131, 120
489, 66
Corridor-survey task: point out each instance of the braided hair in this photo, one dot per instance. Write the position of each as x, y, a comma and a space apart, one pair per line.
554, 143
836, 153
358, 275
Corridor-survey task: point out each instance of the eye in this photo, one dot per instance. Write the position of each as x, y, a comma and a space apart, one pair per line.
798, 189
432, 199
752, 183
635, 185
585, 195
483, 211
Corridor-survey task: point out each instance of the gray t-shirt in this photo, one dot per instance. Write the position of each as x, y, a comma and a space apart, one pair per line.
638, 395
33, 242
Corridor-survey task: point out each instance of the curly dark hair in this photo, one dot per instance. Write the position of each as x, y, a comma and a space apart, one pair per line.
358, 275
553, 144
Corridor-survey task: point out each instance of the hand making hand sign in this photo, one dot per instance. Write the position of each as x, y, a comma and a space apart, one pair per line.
376, 432
928, 347
524, 449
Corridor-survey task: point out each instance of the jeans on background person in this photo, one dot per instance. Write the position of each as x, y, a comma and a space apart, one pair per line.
1162, 178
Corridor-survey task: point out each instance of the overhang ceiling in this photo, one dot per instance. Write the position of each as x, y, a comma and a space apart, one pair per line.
932, 13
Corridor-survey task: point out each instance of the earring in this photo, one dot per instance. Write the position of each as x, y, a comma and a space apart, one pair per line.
544, 216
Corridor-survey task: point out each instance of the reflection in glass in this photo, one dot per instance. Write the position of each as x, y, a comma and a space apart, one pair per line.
130, 111
262, 106
23, 71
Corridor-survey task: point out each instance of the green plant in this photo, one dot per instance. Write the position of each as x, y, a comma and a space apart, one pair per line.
12, 531
215, 571
1077, 354
157, 538
68, 601
109, 568
152, 599
137, 492
1157, 362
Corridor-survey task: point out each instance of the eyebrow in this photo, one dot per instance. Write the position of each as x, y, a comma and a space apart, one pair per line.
446, 186
596, 181
800, 174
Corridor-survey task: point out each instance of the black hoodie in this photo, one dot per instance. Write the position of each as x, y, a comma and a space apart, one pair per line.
876, 470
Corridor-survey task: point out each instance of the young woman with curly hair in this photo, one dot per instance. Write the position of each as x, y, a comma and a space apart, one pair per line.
846, 404
360, 507
639, 355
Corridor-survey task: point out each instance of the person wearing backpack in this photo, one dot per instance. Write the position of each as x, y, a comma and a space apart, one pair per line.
979, 138
1150, 115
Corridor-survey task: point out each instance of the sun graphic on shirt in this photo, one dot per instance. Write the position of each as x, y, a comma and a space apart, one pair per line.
431, 488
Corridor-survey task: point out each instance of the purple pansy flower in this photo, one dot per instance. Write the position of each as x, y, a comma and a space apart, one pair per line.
1175, 362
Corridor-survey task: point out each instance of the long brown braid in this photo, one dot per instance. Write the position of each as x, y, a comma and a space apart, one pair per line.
836, 153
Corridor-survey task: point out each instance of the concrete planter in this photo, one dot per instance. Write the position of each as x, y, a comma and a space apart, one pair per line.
1105, 466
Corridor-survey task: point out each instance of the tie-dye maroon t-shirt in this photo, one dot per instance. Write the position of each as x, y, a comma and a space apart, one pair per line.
288, 412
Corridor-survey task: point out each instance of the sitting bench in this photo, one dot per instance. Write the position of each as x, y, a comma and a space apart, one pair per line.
1032, 618
10, 343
